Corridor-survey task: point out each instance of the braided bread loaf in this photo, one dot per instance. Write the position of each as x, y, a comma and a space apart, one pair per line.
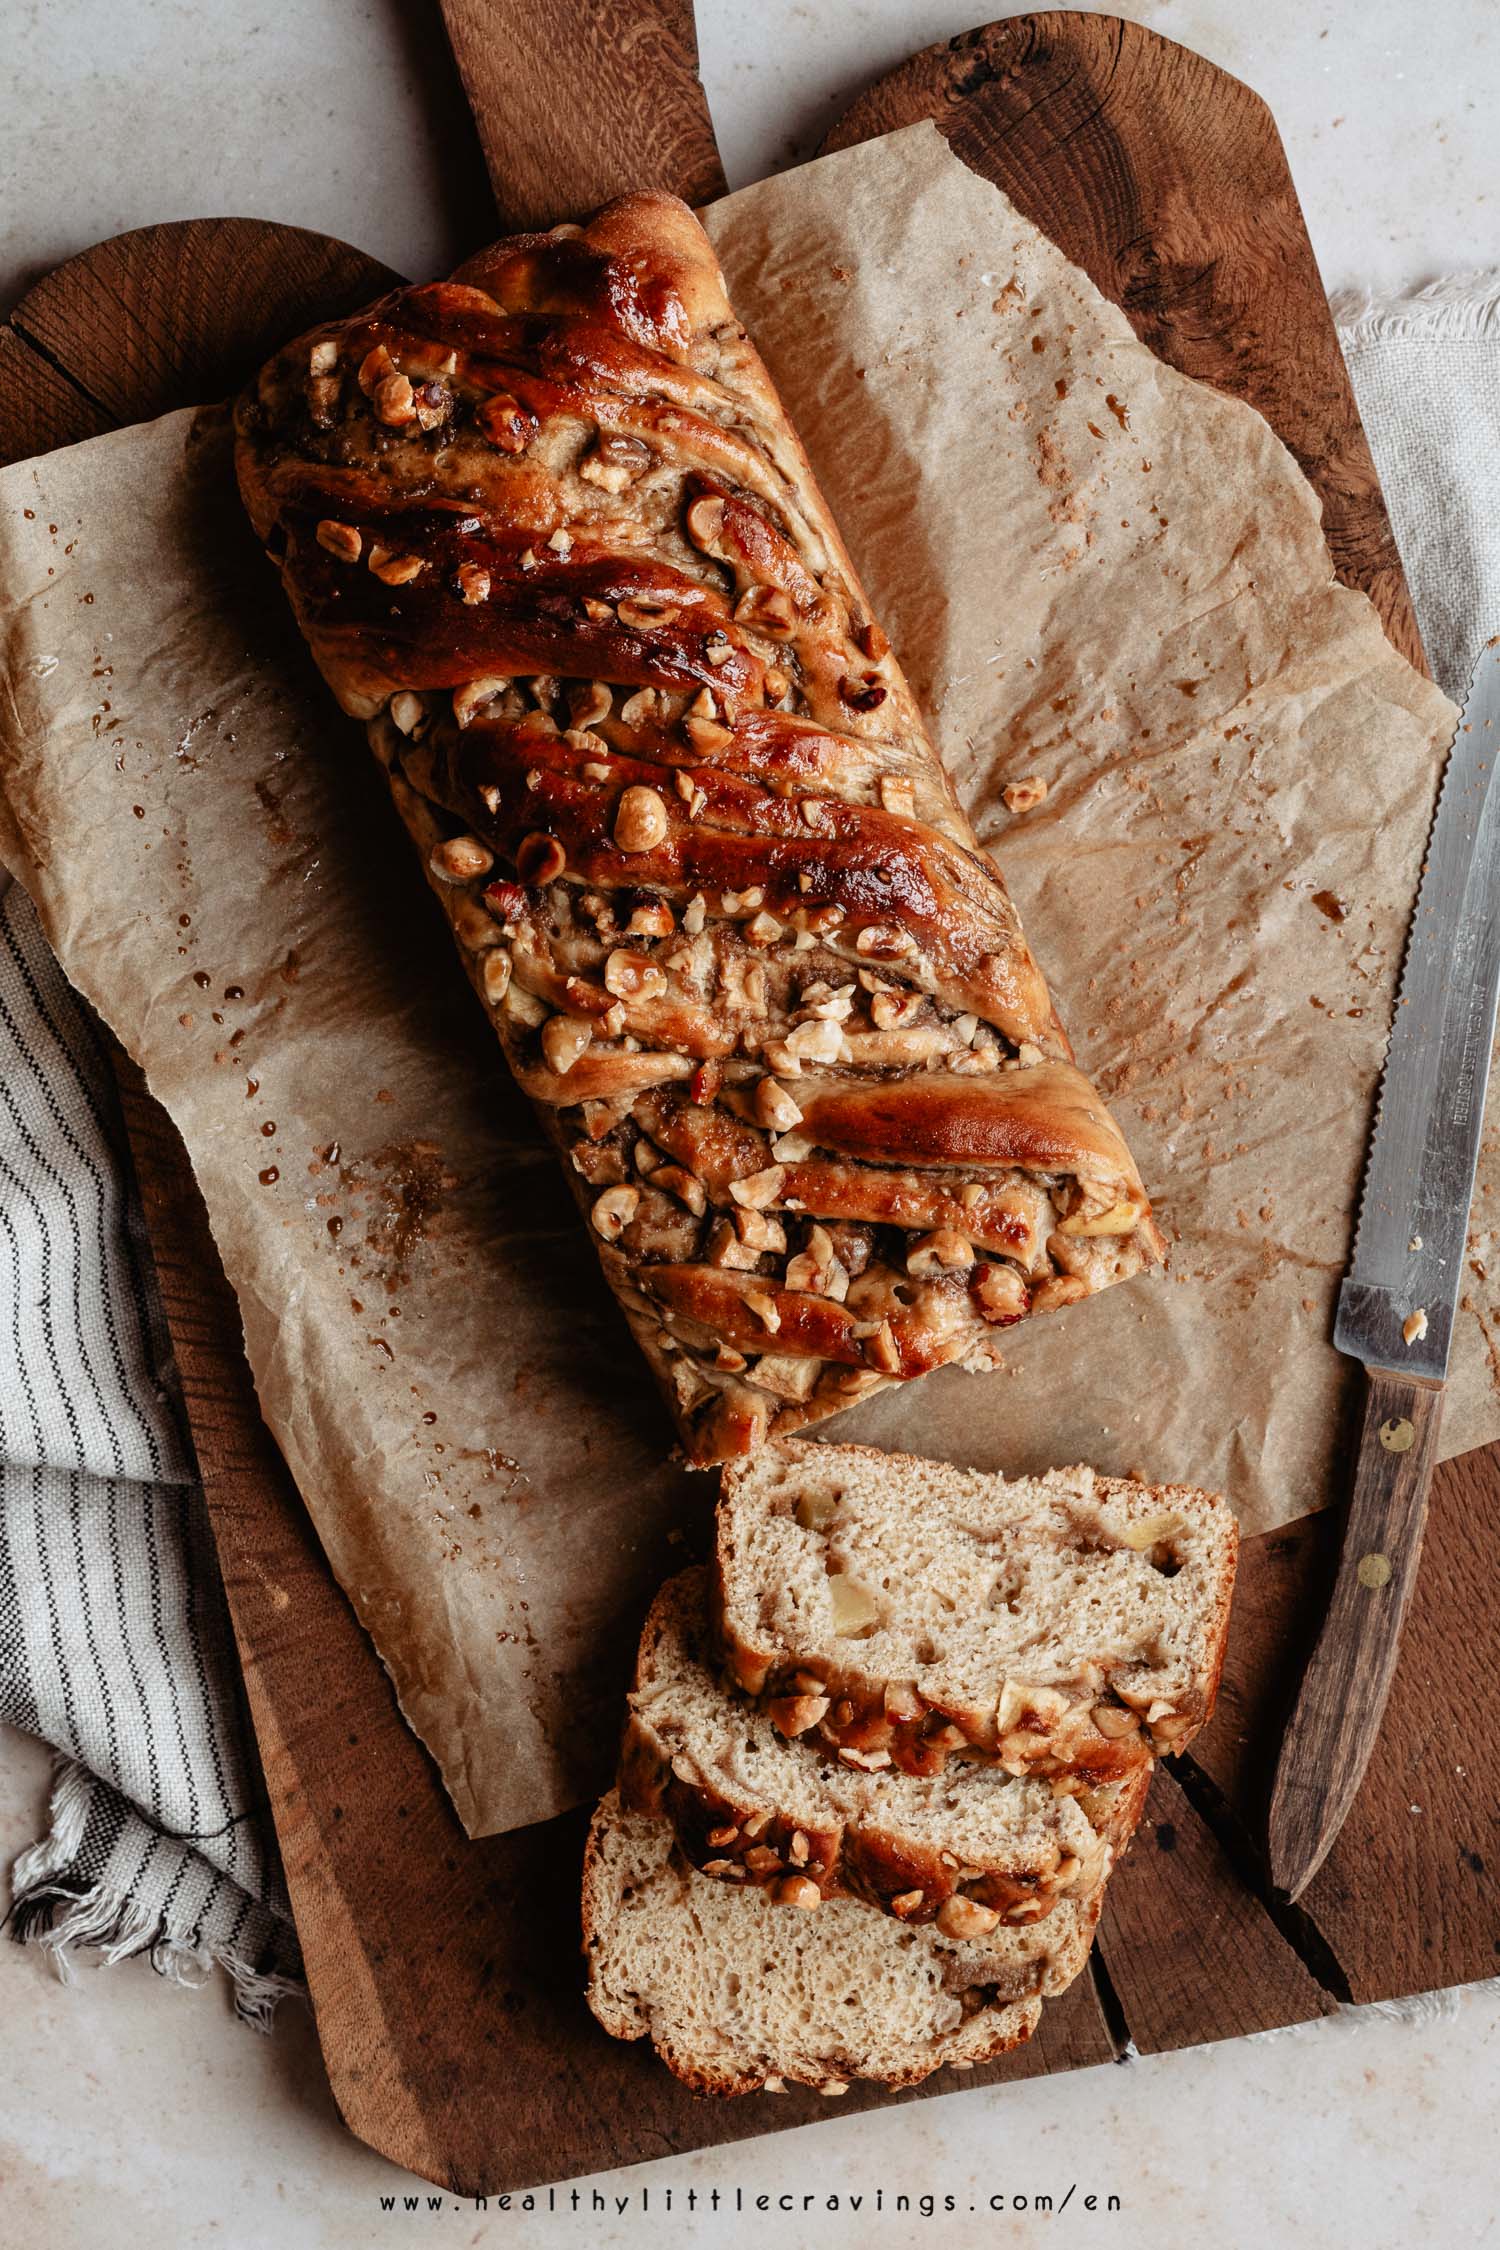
546, 528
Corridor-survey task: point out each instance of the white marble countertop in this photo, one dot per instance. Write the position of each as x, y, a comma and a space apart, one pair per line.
133, 2114
350, 119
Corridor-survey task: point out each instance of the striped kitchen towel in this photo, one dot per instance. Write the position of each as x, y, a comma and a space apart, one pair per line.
115, 1642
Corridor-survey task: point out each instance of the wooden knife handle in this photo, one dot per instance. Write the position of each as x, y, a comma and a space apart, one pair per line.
578, 100
1343, 1694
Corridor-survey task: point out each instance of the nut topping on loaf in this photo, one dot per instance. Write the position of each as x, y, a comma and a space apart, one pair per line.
901, 1610
546, 528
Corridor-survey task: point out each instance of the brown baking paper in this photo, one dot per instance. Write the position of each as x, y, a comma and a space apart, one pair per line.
1095, 571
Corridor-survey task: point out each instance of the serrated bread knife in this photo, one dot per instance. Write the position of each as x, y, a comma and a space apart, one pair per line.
1399, 1297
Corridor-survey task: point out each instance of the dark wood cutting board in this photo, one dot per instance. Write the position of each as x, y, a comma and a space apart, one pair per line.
444, 1973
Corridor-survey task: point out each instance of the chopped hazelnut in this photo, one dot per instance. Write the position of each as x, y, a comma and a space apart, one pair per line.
893, 1011
759, 1232
630, 977
473, 695
877, 939
759, 1189
685, 1185
707, 735
461, 859
393, 401
775, 1107
395, 570
432, 405
882, 1350
564, 1039
614, 1210
820, 1039
641, 820
506, 423
376, 365
768, 610
652, 919
640, 709
944, 1251
763, 1305
588, 703
794, 1715
999, 1292
340, 539
1024, 796
801, 1890
965, 1918
705, 523
726, 1250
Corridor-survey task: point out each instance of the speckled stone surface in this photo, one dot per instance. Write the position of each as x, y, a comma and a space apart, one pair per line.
137, 2116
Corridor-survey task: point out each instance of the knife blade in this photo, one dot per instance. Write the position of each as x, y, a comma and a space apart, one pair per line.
1398, 1300
1414, 1213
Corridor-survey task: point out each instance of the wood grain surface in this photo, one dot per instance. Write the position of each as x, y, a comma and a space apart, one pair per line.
575, 104
1409, 1897
444, 1973
172, 315
1181, 1920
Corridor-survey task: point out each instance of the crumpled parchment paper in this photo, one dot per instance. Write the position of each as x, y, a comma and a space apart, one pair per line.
1096, 572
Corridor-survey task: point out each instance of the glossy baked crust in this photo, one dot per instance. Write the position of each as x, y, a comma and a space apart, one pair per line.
547, 528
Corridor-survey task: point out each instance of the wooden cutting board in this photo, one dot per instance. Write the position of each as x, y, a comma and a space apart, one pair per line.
444, 1973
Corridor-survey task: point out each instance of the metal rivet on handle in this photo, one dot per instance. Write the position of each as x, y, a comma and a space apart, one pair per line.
1374, 1571
1396, 1437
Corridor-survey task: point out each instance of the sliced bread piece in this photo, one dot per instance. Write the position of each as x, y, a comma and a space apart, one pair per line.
969, 1847
736, 1995
1063, 1623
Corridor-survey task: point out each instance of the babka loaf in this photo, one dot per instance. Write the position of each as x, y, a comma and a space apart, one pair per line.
547, 529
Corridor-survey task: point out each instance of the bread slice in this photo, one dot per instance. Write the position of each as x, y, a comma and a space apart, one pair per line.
1063, 1623
969, 1848
735, 1994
